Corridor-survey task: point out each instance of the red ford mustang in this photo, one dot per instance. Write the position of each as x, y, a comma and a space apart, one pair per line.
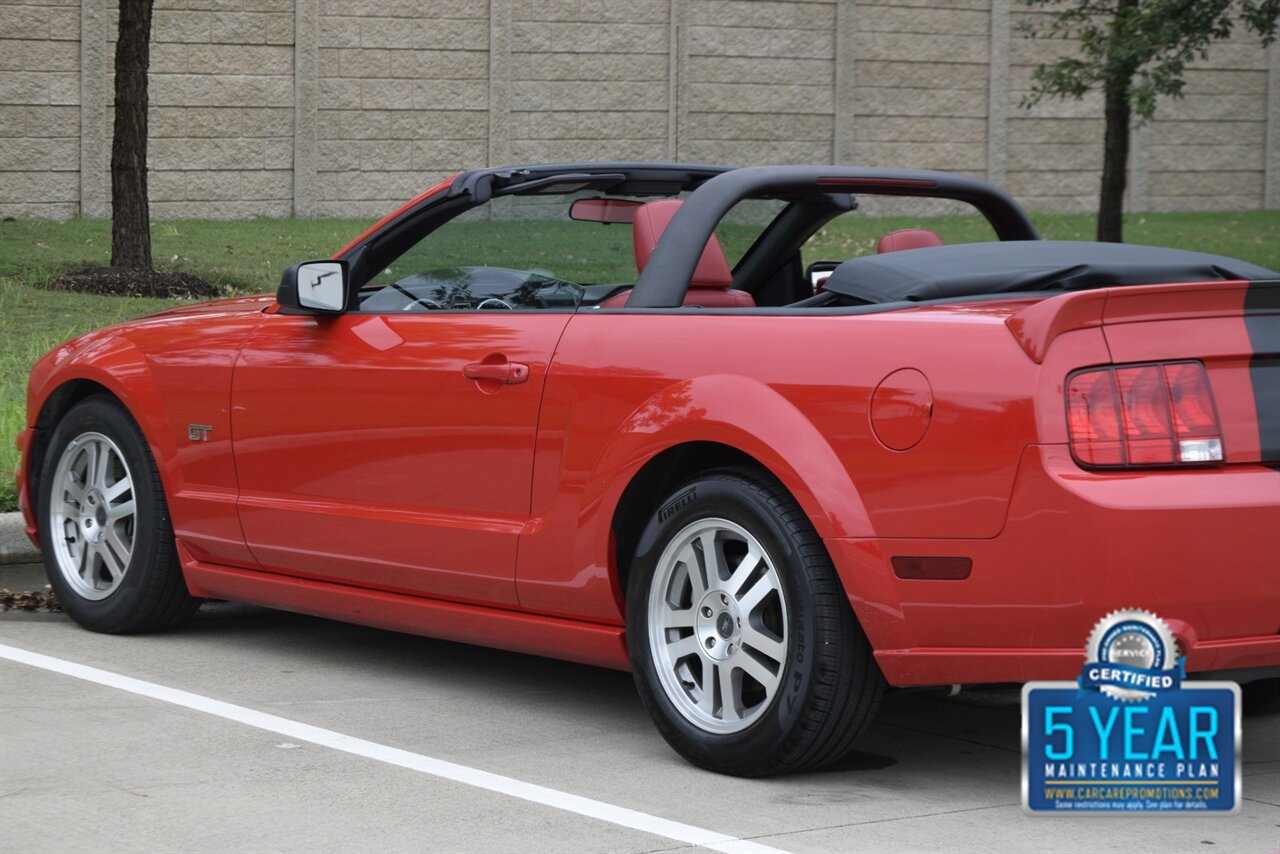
617, 413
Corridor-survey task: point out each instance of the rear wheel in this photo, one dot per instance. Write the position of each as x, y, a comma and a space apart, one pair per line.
104, 524
743, 645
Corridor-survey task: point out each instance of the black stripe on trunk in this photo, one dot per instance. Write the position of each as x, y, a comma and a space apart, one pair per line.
1262, 320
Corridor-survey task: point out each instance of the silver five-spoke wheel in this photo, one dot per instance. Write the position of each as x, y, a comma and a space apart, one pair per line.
109, 550
718, 625
742, 643
92, 515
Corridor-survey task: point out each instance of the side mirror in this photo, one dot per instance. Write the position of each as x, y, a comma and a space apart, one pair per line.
314, 287
818, 272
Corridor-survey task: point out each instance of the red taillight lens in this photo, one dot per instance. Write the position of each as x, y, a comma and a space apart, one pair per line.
1143, 415
1148, 422
1093, 413
1193, 411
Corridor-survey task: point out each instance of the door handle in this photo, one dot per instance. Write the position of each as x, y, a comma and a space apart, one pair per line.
510, 373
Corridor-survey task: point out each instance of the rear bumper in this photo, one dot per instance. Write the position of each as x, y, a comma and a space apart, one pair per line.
1201, 549
933, 666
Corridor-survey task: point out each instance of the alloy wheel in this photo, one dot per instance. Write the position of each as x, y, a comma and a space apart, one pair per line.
93, 515
718, 625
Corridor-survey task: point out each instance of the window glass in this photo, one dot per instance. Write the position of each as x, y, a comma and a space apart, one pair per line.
524, 252
743, 224
526, 233
519, 252
859, 232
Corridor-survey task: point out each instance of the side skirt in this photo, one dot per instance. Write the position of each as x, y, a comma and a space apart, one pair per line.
586, 643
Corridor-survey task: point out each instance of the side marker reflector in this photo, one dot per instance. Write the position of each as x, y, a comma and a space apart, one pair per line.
933, 568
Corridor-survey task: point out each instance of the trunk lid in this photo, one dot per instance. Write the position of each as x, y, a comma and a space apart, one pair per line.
1232, 327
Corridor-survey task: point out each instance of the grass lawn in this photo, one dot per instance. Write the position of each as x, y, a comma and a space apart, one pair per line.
247, 257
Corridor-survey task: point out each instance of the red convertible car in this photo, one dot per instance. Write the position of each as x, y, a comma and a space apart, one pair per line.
618, 413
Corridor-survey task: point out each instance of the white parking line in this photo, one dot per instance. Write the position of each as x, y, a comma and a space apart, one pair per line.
531, 792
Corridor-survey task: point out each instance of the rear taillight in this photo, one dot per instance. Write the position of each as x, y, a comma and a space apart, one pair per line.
1143, 415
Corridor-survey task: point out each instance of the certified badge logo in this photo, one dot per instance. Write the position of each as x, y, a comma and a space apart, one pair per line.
1131, 735
1131, 655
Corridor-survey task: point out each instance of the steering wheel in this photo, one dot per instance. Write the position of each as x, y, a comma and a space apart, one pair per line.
494, 303
429, 304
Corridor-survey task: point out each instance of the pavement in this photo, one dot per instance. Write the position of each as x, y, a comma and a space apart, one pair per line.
302, 734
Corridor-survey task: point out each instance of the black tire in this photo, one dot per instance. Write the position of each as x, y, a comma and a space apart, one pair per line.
830, 685
150, 592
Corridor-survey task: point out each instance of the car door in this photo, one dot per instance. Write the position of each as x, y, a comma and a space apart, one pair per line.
392, 450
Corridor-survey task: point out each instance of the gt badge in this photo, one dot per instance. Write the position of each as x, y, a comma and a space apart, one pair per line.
199, 432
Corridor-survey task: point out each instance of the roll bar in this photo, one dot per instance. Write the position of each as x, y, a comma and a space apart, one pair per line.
665, 278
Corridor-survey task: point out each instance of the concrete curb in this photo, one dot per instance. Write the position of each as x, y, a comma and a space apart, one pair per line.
14, 545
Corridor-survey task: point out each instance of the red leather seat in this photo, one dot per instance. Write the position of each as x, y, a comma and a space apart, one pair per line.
908, 238
712, 282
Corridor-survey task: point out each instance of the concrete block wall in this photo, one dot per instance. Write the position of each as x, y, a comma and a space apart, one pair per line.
756, 82
40, 109
221, 115
583, 81
922, 76
348, 107
1054, 149
402, 100
1208, 150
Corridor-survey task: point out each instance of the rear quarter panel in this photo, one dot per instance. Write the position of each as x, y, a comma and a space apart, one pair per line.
791, 391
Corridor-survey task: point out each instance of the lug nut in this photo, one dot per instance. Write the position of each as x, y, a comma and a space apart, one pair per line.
724, 600
711, 642
706, 612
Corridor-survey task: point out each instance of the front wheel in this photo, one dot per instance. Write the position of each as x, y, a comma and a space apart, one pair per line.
743, 645
108, 546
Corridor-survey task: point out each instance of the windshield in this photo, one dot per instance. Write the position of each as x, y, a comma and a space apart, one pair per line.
525, 252
532, 233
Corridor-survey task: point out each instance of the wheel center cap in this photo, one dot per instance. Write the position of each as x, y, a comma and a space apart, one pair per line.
718, 625
93, 520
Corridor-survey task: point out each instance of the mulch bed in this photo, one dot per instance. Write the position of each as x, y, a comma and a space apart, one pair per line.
119, 282
42, 601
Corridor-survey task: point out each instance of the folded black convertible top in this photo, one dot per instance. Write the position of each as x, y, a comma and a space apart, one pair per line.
973, 269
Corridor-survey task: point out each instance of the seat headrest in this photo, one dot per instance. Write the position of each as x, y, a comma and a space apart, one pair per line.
651, 219
908, 238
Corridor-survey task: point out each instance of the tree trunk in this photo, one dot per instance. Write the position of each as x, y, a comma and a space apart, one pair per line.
1115, 147
1115, 165
130, 214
